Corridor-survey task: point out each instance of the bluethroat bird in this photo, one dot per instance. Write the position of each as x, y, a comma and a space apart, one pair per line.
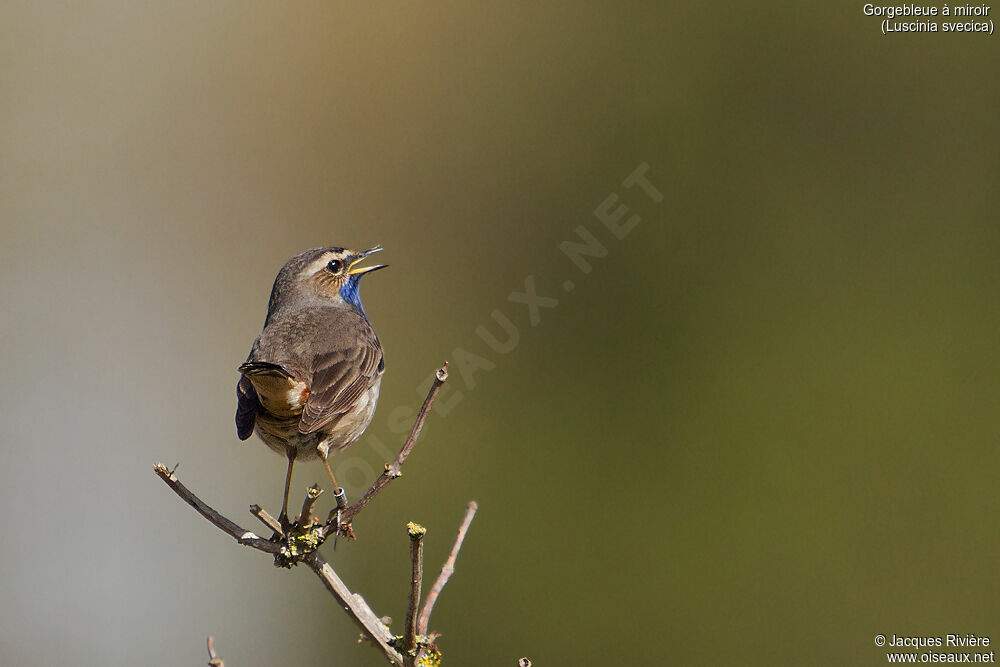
311, 381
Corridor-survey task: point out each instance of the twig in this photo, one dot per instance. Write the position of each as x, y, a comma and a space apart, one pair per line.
213, 659
312, 493
416, 533
371, 625
392, 471
446, 571
241, 535
266, 519
354, 605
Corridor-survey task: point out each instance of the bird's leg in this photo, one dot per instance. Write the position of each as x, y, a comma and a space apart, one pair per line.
283, 517
339, 493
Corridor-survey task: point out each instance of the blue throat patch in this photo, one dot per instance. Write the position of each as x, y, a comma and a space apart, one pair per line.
351, 293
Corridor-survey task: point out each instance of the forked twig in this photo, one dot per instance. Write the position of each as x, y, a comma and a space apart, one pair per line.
354, 605
392, 470
371, 625
446, 570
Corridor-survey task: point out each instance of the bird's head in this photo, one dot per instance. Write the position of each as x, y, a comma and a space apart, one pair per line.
322, 276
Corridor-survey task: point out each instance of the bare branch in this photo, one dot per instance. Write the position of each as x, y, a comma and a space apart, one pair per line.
447, 570
312, 493
355, 605
392, 471
213, 659
416, 533
300, 543
241, 535
371, 625
267, 519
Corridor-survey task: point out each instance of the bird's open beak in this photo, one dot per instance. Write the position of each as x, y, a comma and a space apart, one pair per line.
364, 269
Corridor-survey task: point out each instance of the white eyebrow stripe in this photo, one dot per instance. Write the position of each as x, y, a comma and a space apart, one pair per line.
317, 264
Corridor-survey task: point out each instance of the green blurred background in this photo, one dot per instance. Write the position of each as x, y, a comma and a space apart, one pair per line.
761, 430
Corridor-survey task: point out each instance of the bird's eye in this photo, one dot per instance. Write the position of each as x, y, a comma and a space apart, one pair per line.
335, 265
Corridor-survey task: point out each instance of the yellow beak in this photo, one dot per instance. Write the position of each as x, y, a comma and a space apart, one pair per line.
364, 269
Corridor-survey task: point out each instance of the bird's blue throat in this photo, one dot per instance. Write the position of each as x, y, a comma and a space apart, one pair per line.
351, 293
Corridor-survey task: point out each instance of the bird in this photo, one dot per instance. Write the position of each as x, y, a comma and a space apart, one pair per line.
310, 384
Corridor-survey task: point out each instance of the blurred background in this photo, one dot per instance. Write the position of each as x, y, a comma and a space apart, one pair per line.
762, 428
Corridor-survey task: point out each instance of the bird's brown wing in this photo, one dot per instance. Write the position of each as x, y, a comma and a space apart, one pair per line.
340, 377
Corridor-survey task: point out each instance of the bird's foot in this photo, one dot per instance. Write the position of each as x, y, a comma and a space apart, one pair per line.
336, 533
334, 522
